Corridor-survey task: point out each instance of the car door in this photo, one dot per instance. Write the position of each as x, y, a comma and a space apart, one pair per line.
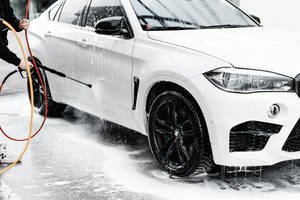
49, 30
105, 61
63, 44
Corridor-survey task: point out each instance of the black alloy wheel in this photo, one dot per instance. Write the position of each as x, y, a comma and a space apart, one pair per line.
177, 136
54, 109
38, 92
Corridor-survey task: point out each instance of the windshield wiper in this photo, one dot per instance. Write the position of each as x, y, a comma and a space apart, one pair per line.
160, 28
226, 26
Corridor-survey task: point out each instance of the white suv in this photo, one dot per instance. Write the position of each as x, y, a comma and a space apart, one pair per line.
204, 81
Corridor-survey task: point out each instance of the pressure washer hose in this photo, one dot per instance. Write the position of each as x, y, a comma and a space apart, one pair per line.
41, 81
31, 98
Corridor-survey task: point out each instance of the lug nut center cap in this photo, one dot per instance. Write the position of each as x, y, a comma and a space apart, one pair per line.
176, 133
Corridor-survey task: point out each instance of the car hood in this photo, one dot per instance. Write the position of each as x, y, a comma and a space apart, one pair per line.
254, 48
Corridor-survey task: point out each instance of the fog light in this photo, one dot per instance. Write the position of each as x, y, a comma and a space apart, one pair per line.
274, 111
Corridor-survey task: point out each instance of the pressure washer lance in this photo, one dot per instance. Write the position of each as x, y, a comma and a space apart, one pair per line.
64, 76
60, 74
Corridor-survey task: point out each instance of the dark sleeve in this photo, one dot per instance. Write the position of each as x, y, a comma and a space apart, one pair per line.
10, 17
8, 56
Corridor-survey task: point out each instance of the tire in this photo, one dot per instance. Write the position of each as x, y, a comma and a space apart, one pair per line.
178, 136
54, 109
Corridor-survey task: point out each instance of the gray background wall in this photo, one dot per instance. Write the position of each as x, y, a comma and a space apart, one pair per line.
37, 6
235, 1
281, 14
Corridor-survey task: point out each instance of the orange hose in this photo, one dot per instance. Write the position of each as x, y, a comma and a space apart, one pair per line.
43, 86
31, 98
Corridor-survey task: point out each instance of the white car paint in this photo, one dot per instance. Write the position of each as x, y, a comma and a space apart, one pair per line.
180, 57
255, 48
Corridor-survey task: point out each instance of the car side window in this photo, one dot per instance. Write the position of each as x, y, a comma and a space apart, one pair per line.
72, 11
54, 12
100, 9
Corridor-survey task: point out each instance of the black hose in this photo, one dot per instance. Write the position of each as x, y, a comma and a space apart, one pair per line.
9, 75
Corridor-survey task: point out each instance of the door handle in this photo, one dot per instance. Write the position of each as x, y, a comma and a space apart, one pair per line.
83, 43
48, 34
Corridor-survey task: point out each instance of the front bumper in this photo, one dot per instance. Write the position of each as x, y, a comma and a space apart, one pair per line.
223, 111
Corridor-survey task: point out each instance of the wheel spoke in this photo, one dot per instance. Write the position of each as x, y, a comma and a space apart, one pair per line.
184, 151
169, 114
183, 124
36, 81
35, 90
170, 150
179, 155
162, 122
162, 131
167, 145
41, 91
189, 133
174, 114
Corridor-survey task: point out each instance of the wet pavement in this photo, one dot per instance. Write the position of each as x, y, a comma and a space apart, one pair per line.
64, 162
80, 157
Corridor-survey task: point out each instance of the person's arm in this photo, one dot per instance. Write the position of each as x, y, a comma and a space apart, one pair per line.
9, 56
10, 17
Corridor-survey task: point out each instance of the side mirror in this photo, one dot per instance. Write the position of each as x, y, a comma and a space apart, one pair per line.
111, 26
257, 19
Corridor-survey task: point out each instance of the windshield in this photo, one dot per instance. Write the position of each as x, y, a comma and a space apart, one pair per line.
189, 14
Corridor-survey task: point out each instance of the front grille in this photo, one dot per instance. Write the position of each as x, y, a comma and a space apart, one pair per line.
251, 136
292, 144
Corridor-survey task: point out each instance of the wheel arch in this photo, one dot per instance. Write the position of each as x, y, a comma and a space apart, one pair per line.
161, 86
37, 56
160, 83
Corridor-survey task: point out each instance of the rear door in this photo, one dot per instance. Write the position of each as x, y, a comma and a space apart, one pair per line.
105, 61
63, 41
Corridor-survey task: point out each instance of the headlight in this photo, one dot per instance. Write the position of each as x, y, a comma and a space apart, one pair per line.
249, 81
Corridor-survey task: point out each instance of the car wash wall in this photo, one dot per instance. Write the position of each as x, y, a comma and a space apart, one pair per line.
36, 7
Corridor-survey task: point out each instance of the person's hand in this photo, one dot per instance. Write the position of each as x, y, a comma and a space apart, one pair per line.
24, 24
23, 66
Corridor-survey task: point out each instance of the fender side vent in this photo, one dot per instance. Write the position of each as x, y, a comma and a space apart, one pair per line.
297, 84
136, 82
